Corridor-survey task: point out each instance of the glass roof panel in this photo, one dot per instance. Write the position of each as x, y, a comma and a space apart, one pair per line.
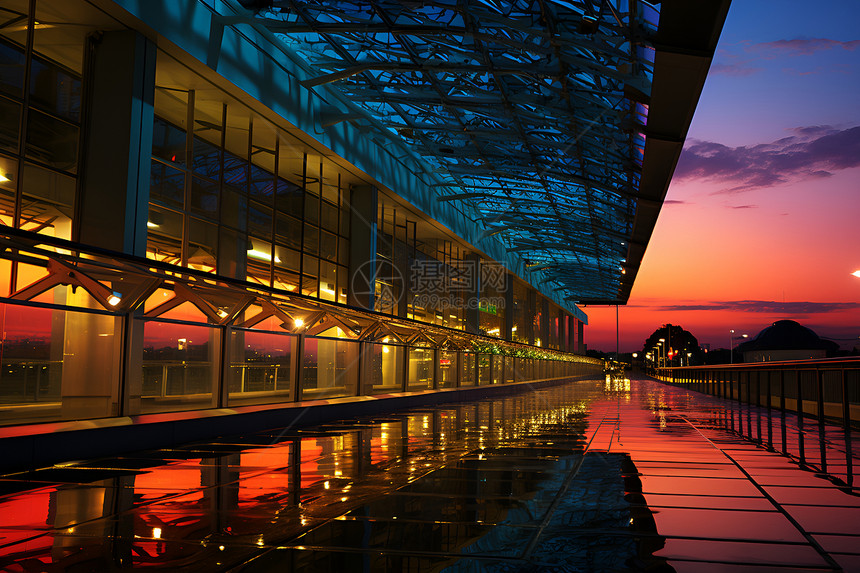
532, 111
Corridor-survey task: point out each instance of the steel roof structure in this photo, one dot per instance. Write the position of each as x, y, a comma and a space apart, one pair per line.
558, 123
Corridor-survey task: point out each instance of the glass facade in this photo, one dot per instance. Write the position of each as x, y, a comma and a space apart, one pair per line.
244, 295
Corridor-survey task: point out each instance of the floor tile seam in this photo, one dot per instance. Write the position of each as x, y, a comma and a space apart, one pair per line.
787, 566
813, 542
400, 552
571, 475
824, 506
740, 510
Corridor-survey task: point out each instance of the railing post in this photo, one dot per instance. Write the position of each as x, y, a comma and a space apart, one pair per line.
821, 431
846, 428
769, 411
800, 438
782, 408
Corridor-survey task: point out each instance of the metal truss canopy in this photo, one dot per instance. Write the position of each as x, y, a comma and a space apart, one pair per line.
534, 113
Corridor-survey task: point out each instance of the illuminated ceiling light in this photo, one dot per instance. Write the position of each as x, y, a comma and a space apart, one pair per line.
152, 225
156, 533
299, 322
259, 255
114, 299
5, 177
222, 313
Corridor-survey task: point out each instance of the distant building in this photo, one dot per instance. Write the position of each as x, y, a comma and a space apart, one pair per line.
785, 340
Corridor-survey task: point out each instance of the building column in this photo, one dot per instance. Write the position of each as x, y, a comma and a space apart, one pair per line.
580, 338
118, 144
531, 310
363, 209
473, 296
507, 332
544, 323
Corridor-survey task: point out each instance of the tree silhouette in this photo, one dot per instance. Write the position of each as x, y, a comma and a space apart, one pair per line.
678, 343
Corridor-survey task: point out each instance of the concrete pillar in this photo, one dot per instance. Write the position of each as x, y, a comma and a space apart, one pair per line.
363, 208
116, 163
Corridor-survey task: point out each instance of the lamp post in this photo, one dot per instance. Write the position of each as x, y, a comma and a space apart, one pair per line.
732, 339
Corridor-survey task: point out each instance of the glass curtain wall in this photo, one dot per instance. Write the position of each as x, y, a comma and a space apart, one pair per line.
386, 365
236, 196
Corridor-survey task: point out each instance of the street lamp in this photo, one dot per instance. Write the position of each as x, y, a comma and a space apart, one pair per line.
732, 339
662, 345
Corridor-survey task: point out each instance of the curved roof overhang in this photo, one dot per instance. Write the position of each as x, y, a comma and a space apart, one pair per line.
556, 124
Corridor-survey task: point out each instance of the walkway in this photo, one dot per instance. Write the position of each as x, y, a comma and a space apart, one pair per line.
587, 476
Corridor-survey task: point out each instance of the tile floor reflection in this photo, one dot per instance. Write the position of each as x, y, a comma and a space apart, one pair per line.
588, 476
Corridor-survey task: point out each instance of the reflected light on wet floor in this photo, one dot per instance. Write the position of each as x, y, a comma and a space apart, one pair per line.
602, 475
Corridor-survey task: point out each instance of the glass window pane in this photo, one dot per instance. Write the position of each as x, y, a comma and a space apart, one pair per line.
11, 56
290, 198
48, 202
204, 197
447, 369
259, 367
328, 281
288, 230
467, 369
287, 259
259, 261
164, 235
262, 184
328, 216
52, 141
8, 177
286, 280
330, 368
58, 364
386, 368
343, 251
231, 253
168, 142
328, 246
420, 369
312, 240
180, 366
202, 245
312, 209
206, 159
167, 185
10, 125
260, 219
236, 172
55, 90
234, 211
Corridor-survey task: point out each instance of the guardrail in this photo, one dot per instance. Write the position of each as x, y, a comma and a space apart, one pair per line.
827, 390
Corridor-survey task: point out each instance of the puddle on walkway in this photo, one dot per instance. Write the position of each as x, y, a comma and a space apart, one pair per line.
588, 476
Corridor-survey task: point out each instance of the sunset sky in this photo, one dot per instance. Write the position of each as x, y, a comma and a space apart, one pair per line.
762, 219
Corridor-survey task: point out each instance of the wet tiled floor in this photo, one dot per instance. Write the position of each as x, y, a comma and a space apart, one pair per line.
587, 476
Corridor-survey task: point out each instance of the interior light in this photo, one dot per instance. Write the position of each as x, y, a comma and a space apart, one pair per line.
259, 255
151, 225
114, 299
5, 177
299, 322
222, 313
156, 533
